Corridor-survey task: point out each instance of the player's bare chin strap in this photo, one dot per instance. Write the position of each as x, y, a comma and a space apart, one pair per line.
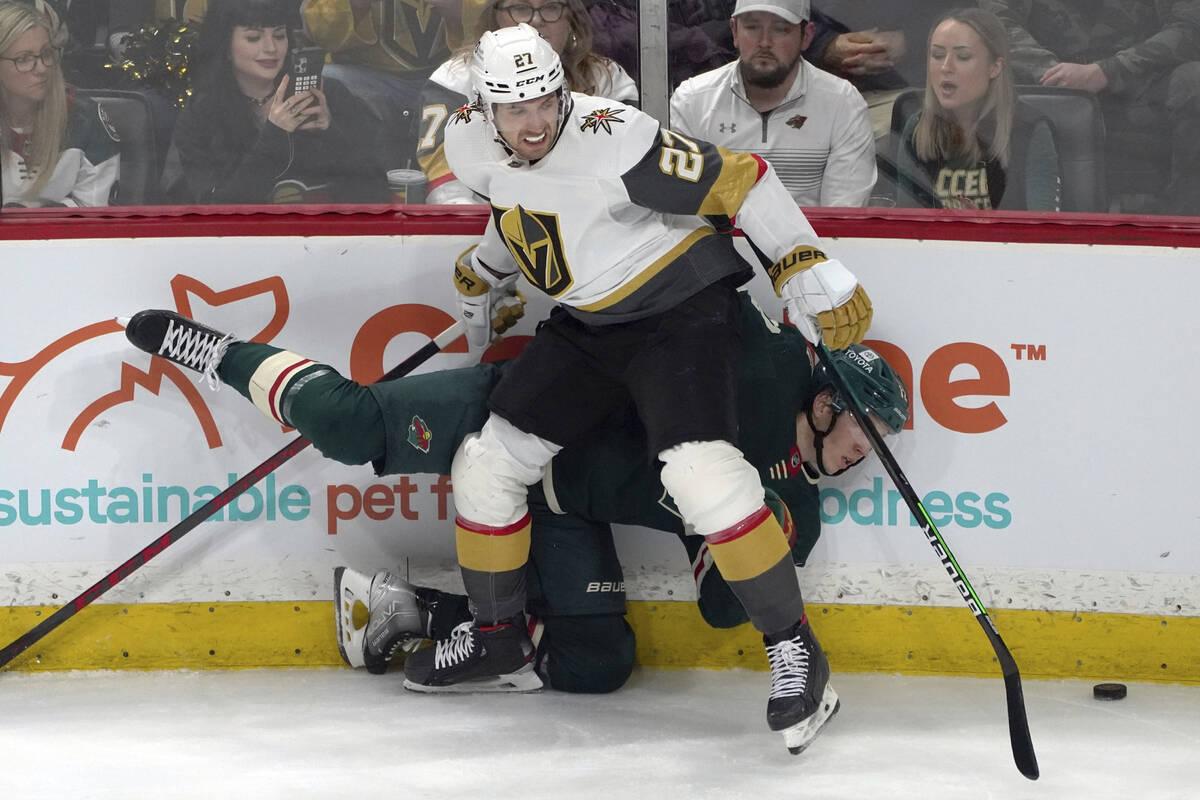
819, 443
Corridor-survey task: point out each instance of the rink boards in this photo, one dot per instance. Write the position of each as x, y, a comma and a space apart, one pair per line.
1051, 386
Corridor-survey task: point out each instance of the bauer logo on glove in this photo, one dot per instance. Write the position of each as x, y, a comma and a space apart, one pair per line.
486, 307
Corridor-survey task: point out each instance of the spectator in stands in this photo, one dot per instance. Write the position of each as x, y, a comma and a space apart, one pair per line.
1141, 57
698, 37
563, 23
56, 149
876, 46
384, 50
243, 139
812, 126
974, 144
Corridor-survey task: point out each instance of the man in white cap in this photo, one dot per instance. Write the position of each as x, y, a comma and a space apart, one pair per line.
812, 126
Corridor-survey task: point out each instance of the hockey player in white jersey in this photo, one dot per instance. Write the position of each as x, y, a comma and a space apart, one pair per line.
627, 226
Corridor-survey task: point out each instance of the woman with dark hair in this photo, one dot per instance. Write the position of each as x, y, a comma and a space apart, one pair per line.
56, 149
566, 26
975, 144
244, 139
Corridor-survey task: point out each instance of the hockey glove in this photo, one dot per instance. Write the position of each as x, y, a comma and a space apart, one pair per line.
827, 304
485, 308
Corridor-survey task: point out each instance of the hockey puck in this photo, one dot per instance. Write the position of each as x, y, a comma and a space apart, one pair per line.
1109, 691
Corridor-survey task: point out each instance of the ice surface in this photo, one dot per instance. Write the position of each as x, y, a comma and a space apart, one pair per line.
334, 733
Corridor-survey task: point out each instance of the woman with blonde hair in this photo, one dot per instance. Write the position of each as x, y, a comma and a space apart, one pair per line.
975, 145
565, 24
56, 148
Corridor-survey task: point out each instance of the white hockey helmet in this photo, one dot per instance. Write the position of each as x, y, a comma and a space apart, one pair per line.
515, 64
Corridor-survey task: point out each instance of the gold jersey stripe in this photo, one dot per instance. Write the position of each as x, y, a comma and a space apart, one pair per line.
739, 173
493, 549
640, 280
753, 552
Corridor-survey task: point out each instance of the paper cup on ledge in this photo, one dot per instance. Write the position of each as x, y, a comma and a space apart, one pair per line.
407, 185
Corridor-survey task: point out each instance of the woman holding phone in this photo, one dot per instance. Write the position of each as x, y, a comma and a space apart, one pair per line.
245, 137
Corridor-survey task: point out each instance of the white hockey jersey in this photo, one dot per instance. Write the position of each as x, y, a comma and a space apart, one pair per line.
86, 170
610, 222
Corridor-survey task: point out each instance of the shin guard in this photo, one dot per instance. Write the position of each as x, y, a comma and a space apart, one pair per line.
754, 558
492, 560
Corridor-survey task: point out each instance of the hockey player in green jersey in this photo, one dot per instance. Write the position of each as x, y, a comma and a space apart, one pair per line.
792, 430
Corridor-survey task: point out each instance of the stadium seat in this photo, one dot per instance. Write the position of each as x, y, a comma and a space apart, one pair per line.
131, 115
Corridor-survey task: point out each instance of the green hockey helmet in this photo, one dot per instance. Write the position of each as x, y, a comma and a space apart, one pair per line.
877, 386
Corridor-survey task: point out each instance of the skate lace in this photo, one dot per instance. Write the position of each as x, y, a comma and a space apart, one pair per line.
458, 648
194, 348
789, 668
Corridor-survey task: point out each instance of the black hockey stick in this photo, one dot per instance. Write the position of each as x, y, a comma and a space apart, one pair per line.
205, 511
1018, 722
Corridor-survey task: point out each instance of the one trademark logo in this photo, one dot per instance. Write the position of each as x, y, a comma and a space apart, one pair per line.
535, 241
602, 118
603, 587
797, 121
183, 289
463, 113
419, 435
413, 33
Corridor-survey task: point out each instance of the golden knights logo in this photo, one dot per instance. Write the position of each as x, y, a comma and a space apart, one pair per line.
419, 435
601, 118
413, 33
463, 113
534, 240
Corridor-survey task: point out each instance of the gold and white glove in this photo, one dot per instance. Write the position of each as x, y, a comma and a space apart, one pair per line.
485, 309
823, 298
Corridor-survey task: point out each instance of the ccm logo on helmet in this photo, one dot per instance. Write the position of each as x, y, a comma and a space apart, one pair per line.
534, 79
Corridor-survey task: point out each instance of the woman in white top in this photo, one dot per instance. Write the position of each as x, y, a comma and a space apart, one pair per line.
56, 149
565, 24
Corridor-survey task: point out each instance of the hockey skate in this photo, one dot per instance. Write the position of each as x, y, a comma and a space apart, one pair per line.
493, 658
179, 340
378, 616
801, 699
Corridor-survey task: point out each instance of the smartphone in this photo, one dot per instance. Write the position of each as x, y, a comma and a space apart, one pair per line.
307, 63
